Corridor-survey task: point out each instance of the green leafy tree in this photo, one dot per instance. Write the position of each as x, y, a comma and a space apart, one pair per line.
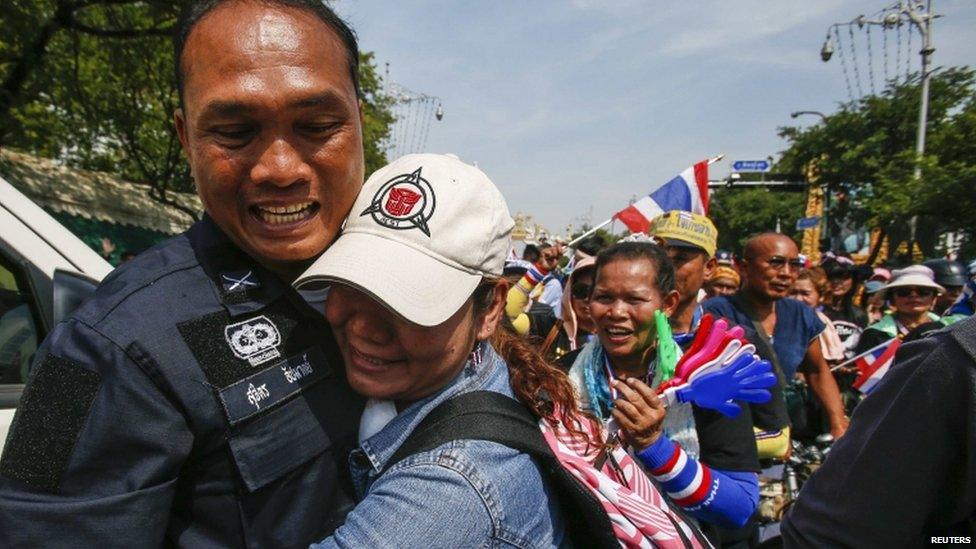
739, 214
866, 151
91, 83
378, 116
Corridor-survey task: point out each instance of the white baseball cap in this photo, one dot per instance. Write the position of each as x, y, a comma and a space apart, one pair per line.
424, 231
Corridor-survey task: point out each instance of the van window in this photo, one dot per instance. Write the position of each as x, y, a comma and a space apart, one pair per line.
19, 333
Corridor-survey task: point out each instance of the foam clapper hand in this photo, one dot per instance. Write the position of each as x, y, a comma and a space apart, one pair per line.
747, 378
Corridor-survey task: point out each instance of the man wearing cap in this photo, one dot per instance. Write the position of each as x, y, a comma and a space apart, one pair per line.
690, 241
785, 332
552, 288
197, 400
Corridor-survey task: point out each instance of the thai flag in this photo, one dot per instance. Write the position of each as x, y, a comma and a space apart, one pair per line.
688, 192
874, 364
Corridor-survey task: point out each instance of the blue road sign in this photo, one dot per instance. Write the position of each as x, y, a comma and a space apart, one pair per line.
751, 165
805, 223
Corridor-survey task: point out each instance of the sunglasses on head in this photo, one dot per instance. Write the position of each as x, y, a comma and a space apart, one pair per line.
906, 291
580, 290
778, 262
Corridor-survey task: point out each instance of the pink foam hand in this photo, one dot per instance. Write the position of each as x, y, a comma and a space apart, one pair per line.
716, 335
728, 354
704, 327
713, 360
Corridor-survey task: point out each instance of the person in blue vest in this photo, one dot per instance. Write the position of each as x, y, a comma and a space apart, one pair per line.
197, 400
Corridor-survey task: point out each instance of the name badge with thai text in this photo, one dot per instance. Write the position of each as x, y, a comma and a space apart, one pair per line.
272, 385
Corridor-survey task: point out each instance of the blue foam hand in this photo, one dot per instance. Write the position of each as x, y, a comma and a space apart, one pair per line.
754, 377
746, 378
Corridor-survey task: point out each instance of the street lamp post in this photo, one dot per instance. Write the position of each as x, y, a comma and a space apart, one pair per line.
918, 13
924, 23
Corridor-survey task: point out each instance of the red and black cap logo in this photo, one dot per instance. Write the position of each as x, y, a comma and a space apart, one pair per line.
404, 202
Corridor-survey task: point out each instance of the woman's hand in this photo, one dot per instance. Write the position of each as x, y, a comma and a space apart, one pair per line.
639, 412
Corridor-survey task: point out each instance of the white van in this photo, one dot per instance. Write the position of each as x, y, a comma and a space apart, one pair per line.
45, 272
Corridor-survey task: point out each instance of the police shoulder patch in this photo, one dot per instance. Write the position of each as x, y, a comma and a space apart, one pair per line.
52, 412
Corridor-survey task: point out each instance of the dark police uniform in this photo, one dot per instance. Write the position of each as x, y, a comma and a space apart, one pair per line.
904, 474
195, 400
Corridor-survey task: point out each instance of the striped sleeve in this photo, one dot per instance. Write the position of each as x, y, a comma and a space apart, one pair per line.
722, 497
531, 278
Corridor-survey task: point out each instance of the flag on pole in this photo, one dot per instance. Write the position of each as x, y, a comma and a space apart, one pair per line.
688, 191
874, 364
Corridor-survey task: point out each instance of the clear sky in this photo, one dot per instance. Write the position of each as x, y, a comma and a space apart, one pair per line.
572, 107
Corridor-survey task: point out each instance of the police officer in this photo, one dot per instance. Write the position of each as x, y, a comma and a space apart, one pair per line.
197, 400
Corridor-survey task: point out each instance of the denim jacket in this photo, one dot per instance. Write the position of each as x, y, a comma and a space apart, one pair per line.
462, 494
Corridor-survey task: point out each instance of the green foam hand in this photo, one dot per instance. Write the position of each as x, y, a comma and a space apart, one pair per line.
667, 349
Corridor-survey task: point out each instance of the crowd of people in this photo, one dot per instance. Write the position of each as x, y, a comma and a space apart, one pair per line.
322, 361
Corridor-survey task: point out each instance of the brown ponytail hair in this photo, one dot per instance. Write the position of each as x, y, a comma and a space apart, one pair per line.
542, 387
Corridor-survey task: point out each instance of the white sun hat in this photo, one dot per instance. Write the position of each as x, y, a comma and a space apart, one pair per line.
424, 231
916, 275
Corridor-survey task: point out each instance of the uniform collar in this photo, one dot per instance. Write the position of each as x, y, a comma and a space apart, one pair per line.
240, 284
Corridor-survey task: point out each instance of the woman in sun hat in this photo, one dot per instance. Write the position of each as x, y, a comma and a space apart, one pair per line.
910, 295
